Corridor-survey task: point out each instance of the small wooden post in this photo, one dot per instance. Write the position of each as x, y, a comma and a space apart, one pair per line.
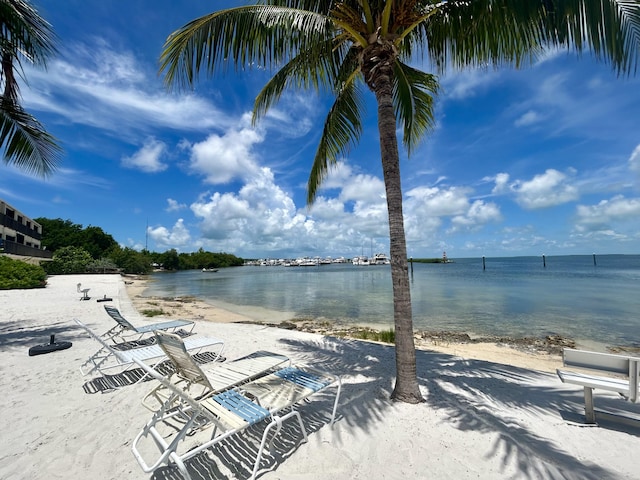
411, 262
484, 266
594, 259
544, 261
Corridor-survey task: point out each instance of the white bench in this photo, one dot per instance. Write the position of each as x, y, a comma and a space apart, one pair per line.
625, 381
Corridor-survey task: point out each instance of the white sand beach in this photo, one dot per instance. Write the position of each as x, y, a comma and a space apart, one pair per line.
489, 412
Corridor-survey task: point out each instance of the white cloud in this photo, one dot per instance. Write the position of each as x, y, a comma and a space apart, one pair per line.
479, 214
105, 88
223, 158
174, 206
606, 212
436, 202
501, 183
545, 190
529, 118
261, 213
634, 160
178, 236
460, 84
148, 158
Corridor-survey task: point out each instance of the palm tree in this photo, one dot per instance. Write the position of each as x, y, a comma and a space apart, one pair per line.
337, 46
24, 35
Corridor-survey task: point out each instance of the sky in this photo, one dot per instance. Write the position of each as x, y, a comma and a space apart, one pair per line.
539, 161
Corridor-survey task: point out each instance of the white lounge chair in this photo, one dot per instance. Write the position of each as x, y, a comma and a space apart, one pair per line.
126, 331
108, 359
271, 399
210, 379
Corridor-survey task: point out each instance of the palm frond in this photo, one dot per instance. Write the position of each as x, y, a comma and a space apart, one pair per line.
315, 68
499, 32
413, 98
261, 35
24, 31
609, 29
342, 129
25, 142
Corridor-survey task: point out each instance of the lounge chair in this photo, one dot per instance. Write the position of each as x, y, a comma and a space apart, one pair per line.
108, 359
202, 381
84, 292
271, 398
124, 329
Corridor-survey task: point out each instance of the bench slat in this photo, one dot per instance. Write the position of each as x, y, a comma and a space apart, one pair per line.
591, 381
603, 362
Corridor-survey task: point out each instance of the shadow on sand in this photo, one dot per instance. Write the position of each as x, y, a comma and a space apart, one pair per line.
463, 390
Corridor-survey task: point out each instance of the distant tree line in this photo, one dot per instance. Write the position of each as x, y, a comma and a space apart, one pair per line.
78, 249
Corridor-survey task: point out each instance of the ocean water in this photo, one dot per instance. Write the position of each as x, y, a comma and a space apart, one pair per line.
589, 300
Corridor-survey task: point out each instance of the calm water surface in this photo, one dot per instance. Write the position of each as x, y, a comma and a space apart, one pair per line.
519, 296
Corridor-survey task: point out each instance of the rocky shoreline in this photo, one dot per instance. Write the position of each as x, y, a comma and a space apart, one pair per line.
550, 344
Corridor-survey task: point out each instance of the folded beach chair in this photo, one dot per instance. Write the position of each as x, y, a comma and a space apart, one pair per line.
270, 399
214, 378
108, 360
125, 330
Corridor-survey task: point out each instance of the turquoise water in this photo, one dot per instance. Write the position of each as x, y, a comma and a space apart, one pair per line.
519, 296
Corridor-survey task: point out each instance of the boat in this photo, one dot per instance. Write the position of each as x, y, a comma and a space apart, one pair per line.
307, 262
380, 259
360, 261
206, 270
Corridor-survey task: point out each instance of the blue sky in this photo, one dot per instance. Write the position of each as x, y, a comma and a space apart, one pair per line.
544, 160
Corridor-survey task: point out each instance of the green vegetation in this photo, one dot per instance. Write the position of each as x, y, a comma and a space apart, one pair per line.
68, 260
18, 274
154, 312
60, 233
78, 249
386, 336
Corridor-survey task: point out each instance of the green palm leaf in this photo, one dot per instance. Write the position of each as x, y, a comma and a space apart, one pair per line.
414, 103
24, 35
342, 130
27, 145
254, 35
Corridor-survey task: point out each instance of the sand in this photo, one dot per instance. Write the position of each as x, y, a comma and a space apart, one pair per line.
489, 412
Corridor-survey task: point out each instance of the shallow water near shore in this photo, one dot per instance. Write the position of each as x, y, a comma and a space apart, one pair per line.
591, 300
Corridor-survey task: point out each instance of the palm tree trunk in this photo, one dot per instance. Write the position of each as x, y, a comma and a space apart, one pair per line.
406, 388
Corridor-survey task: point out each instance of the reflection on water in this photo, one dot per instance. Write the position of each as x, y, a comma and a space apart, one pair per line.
516, 296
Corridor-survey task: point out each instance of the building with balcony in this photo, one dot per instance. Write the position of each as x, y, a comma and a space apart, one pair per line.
20, 235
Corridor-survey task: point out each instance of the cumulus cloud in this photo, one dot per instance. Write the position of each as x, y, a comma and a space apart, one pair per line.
479, 214
436, 202
425, 207
261, 212
174, 206
223, 158
176, 237
501, 183
148, 158
545, 190
606, 212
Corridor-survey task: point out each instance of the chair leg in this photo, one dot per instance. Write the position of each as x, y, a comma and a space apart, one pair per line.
589, 410
276, 422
